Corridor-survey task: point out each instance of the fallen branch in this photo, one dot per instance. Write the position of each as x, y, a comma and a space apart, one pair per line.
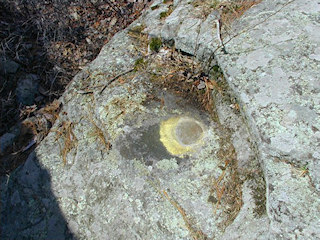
115, 78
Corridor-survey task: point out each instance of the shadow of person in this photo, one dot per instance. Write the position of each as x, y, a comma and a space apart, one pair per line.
29, 209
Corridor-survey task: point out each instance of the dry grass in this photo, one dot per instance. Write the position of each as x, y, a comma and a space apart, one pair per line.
181, 75
226, 191
235, 9
70, 141
229, 10
100, 135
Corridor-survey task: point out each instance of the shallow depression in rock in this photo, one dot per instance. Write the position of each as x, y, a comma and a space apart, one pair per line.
181, 135
177, 137
188, 131
143, 143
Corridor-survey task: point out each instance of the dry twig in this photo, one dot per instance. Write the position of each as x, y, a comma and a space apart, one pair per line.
115, 78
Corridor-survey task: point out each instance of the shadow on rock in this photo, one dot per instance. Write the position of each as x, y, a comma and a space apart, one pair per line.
29, 209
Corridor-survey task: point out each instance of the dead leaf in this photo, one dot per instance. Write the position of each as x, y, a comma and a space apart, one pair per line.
121, 80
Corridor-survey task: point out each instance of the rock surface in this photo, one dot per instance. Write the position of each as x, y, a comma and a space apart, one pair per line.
273, 69
272, 66
103, 172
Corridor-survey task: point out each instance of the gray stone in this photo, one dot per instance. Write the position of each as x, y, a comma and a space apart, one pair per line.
27, 89
157, 183
264, 66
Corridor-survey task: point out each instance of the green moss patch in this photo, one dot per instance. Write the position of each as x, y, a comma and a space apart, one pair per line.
155, 44
165, 14
154, 7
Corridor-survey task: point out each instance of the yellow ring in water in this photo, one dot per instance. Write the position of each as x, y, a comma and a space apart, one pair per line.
180, 135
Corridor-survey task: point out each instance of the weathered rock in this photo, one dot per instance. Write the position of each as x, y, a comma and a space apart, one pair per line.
272, 70
191, 30
155, 182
